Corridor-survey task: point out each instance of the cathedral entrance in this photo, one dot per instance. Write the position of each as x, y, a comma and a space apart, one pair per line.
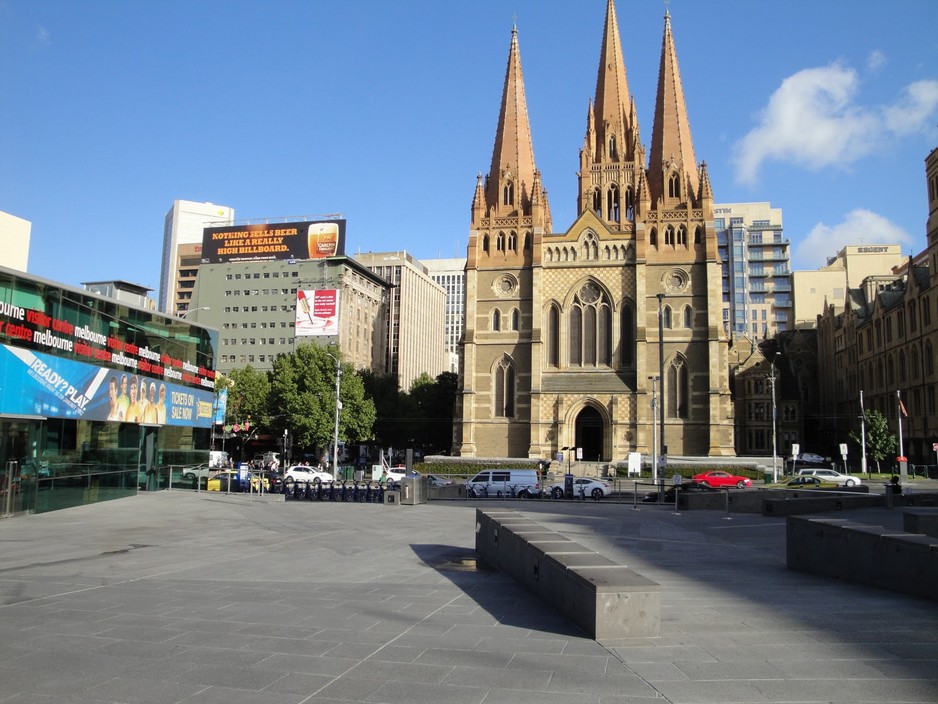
589, 434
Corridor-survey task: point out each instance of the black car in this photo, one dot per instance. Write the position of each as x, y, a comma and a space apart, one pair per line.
687, 488
274, 481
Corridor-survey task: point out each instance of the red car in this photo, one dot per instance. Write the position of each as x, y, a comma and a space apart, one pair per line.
718, 478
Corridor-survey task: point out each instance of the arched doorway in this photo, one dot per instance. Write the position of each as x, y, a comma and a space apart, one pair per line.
589, 434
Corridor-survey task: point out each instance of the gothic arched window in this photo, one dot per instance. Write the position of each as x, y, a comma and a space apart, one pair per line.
627, 336
496, 320
590, 327
553, 336
674, 186
503, 384
678, 389
612, 203
508, 193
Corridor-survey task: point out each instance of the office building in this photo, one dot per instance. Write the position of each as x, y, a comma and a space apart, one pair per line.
14, 241
756, 267
815, 290
451, 275
416, 314
570, 335
123, 291
272, 286
182, 250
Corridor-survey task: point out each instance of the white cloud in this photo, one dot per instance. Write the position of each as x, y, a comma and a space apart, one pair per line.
42, 36
913, 112
860, 226
876, 60
812, 120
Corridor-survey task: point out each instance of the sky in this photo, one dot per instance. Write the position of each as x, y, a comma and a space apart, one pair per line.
384, 111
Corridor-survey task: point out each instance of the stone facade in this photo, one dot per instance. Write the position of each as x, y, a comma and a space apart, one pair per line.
562, 342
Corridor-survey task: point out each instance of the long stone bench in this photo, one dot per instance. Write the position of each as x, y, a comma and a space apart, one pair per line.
871, 555
605, 599
921, 520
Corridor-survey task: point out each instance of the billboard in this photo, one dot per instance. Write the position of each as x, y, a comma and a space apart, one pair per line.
35, 383
317, 312
288, 240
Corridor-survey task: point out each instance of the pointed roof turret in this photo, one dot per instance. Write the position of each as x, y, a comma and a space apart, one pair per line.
612, 88
513, 156
670, 134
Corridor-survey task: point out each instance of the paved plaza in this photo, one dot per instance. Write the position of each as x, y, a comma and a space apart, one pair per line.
213, 599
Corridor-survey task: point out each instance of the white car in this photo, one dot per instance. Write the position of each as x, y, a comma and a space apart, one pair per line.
304, 474
811, 458
830, 475
582, 487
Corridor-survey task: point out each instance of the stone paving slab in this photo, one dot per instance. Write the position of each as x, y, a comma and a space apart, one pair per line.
195, 599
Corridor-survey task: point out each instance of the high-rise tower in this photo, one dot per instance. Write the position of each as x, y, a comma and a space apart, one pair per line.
561, 339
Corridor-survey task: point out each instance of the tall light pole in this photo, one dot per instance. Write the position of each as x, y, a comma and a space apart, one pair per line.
654, 430
663, 449
774, 420
184, 313
338, 407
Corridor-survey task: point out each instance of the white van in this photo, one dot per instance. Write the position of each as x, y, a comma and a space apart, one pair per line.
520, 483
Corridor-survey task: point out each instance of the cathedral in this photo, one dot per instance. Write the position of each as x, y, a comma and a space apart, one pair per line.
607, 337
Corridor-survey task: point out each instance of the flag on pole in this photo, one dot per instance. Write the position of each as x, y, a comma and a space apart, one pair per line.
902, 409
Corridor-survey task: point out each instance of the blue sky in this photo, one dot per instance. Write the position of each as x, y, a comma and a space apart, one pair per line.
385, 111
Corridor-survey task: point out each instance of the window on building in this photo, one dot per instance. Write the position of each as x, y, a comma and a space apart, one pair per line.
553, 336
503, 384
590, 327
627, 336
496, 320
678, 389
674, 186
508, 193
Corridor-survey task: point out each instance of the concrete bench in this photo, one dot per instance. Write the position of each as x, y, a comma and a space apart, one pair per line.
605, 599
921, 520
862, 554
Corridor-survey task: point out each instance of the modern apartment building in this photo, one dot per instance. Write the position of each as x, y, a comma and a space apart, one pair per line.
14, 241
123, 291
757, 288
416, 315
451, 275
182, 247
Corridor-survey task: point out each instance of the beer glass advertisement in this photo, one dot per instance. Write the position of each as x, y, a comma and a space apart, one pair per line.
317, 312
43, 385
287, 240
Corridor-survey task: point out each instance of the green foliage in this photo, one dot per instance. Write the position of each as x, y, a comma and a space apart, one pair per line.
302, 391
392, 408
248, 391
434, 402
880, 441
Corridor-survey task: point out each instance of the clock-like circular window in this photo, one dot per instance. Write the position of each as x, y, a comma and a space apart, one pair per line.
589, 293
676, 280
505, 285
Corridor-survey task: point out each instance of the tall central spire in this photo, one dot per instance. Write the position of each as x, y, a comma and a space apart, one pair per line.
511, 184
672, 150
612, 88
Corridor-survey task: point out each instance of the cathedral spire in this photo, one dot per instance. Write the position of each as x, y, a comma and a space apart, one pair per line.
511, 180
612, 91
671, 163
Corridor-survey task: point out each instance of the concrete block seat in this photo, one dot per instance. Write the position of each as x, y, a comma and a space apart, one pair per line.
605, 599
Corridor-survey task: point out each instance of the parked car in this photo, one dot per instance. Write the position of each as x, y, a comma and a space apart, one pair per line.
437, 481
812, 458
303, 474
230, 480
718, 478
202, 471
830, 475
582, 486
274, 481
667, 496
803, 482
499, 482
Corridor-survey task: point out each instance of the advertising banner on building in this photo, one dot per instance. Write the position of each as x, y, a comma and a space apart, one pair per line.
288, 240
317, 312
34, 383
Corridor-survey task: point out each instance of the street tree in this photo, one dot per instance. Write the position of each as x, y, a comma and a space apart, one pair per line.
434, 402
248, 391
880, 440
302, 390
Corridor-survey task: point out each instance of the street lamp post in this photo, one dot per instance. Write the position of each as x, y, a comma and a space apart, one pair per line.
338, 407
654, 430
774, 420
184, 313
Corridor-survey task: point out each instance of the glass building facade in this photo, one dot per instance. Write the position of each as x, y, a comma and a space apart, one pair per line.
98, 399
